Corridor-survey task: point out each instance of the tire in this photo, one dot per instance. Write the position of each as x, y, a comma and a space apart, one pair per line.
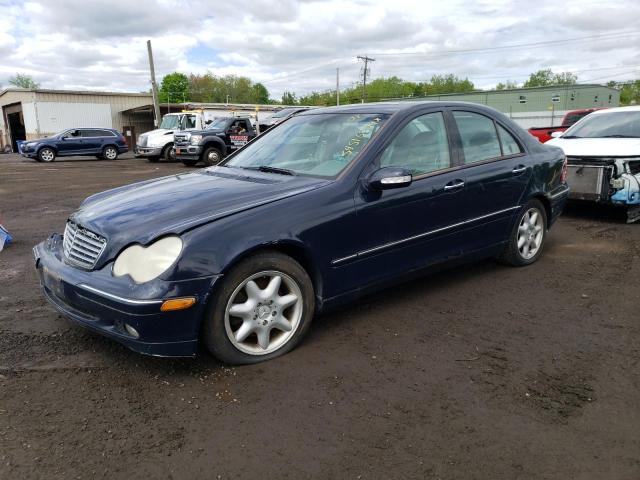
212, 156
267, 315
110, 152
46, 155
153, 159
190, 163
528, 236
169, 153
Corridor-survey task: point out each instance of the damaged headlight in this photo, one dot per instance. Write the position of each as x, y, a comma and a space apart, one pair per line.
143, 264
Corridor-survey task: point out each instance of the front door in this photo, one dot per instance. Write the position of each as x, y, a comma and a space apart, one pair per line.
413, 226
70, 143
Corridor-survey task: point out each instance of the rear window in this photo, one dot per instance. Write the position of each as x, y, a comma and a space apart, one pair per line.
479, 137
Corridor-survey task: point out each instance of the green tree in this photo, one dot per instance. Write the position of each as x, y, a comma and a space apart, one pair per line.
174, 88
260, 94
546, 77
629, 91
508, 85
23, 81
289, 98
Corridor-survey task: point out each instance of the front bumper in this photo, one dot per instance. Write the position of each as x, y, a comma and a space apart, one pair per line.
188, 152
105, 304
147, 151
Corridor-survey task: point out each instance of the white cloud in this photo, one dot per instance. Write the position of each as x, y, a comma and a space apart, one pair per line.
297, 45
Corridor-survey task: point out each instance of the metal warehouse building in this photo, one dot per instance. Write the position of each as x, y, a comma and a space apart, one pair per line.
540, 106
30, 114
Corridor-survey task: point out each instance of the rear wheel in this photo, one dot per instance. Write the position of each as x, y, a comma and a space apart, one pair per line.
169, 153
110, 153
261, 311
212, 156
528, 236
46, 154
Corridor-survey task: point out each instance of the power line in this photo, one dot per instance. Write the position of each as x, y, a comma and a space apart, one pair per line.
366, 60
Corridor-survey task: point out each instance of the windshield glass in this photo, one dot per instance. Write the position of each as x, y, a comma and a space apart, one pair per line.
283, 113
170, 121
217, 124
613, 124
318, 145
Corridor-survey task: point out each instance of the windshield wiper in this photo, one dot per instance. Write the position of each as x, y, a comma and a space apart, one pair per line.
268, 169
619, 136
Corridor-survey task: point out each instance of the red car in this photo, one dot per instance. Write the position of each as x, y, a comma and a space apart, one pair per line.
544, 133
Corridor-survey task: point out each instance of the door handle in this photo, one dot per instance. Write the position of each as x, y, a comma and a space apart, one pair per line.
453, 185
518, 169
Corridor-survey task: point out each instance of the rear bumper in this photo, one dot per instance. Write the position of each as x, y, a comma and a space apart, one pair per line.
557, 199
107, 305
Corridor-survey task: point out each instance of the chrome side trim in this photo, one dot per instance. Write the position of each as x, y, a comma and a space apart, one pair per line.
130, 301
566, 190
420, 235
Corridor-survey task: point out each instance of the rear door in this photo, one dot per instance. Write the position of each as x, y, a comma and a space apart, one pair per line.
497, 172
91, 141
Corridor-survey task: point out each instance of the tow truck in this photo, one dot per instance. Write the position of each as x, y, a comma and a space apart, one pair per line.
158, 143
209, 146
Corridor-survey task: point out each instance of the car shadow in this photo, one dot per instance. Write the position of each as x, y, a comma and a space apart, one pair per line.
594, 211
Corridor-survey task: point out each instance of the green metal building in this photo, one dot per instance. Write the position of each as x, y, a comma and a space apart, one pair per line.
540, 106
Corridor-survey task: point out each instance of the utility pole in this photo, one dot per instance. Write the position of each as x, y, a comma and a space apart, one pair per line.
366, 60
154, 86
337, 86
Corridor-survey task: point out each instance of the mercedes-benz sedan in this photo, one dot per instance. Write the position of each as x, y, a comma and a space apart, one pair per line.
329, 205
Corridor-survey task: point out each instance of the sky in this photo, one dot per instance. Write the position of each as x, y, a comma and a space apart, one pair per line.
298, 45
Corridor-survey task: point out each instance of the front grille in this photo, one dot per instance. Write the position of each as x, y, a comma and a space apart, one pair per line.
181, 139
142, 141
82, 247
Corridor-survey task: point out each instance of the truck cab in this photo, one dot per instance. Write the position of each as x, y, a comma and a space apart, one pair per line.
220, 138
158, 143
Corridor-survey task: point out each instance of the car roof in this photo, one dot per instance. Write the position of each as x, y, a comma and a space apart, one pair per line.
391, 107
616, 109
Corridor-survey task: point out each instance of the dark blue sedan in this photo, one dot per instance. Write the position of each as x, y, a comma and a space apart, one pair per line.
330, 205
103, 143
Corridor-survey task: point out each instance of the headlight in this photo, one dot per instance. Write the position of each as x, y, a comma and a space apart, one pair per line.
195, 139
146, 263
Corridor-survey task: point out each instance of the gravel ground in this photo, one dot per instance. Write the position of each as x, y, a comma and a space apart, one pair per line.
482, 372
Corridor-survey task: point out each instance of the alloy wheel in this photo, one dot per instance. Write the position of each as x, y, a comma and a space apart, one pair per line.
530, 233
263, 312
110, 153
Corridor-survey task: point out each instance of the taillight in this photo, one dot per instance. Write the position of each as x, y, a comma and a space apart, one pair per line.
565, 169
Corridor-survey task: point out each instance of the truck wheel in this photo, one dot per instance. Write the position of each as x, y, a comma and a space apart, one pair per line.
169, 153
527, 237
46, 154
212, 156
190, 163
261, 310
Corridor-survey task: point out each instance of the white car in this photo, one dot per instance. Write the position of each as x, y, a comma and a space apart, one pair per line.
603, 153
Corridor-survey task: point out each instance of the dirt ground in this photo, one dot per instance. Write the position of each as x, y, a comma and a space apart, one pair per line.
483, 372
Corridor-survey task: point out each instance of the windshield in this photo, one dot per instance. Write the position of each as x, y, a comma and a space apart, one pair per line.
170, 121
613, 124
217, 124
283, 113
318, 145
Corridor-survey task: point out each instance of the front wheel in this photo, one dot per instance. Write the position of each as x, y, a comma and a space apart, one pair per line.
212, 156
110, 153
46, 155
170, 153
528, 236
261, 311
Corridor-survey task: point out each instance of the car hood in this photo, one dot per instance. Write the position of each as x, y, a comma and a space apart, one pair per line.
597, 147
141, 212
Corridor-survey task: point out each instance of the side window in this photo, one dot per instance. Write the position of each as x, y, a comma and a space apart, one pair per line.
88, 133
421, 146
190, 121
106, 133
479, 138
509, 144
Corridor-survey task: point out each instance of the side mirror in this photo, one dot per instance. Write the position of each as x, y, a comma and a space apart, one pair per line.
556, 134
208, 122
387, 178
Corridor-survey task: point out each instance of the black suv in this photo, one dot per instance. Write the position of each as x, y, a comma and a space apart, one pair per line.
210, 146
